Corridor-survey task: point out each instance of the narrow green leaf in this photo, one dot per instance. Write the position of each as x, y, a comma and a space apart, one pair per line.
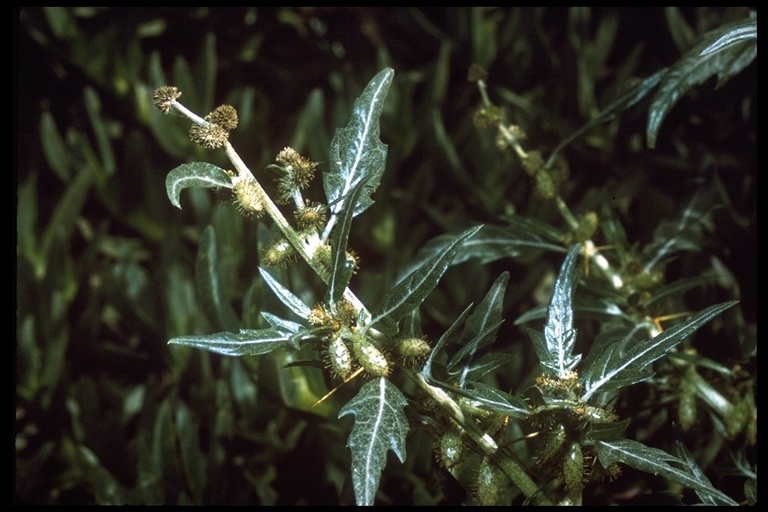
614, 369
491, 399
380, 425
559, 334
655, 461
679, 287
412, 325
341, 267
210, 294
107, 156
197, 174
627, 100
427, 370
414, 288
481, 326
685, 455
185, 81
682, 232
488, 311
605, 431
582, 307
56, 152
287, 297
470, 348
493, 243
723, 52
483, 365
356, 151
64, 217
246, 342
26, 219
281, 323
193, 462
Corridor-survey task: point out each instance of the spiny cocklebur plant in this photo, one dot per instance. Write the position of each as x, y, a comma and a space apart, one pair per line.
631, 295
350, 338
582, 437
442, 388
630, 291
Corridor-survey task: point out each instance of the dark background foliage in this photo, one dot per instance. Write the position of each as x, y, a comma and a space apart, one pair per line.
106, 412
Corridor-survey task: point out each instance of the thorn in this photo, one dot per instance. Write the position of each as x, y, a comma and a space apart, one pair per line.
657, 321
354, 374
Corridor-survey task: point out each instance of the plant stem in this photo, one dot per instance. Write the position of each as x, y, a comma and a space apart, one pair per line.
482, 440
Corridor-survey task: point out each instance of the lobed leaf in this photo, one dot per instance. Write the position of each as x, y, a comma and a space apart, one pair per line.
656, 462
614, 369
356, 151
723, 52
380, 425
555, 347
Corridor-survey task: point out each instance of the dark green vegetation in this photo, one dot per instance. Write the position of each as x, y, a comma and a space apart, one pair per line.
600, 327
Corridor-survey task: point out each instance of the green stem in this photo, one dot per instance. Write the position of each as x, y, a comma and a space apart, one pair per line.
482, 440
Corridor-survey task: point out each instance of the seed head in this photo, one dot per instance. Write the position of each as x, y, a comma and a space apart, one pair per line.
211, 136
224, 116
164, 97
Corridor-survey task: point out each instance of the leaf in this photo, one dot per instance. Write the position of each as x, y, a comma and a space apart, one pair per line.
356, 151
212, 297
294, 303
613, 369
493, 243
93, 106
655, 461
605, 431
380, 425
414, 288
56, 152
679, 287
483, 365
483, 338
593, 307
198, 175
627, 100
685, 455
724, 52
683, 232
554, 348
282, 324
481, 326
246, 342
427, 370
26, 219
488, 311
412, 325
341, 267
491, 399
64, 218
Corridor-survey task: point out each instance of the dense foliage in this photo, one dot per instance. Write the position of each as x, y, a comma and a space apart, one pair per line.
517, 247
